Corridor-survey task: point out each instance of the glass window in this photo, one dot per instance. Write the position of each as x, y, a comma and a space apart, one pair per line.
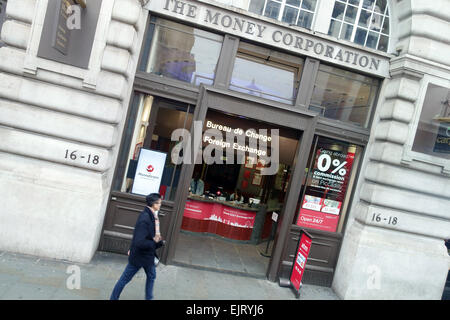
152, 121
267, 74
376, 22
346, 31
360, 36
381, 5
368, 4
385, 26
256, 7
272, 9
294, 12
335, 26
293, 2
327, 187
338, 11
305, 19
181, 52
433, 131
309, 5
383, 43
371, 18
364, 18
290, 15
2, 16
344, 95
372, 40
350, 14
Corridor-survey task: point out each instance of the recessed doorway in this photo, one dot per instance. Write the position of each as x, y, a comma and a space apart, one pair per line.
231, 213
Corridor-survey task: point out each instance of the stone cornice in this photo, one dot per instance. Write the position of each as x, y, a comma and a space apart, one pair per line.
415, 67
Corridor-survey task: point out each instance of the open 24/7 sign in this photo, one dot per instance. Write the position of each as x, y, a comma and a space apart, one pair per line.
298, 269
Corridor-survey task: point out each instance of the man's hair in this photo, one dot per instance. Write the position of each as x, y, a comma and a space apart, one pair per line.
152, 198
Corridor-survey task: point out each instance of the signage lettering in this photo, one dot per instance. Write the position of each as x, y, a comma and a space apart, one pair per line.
382, 219
227, 21
250, 133
442, 144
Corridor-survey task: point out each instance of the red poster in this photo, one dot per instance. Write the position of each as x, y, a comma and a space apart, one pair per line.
298, 269
327, 189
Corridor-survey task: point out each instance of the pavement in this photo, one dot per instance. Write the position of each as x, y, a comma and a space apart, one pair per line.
24, 277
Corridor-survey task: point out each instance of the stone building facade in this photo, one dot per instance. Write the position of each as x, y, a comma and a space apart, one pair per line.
61, 128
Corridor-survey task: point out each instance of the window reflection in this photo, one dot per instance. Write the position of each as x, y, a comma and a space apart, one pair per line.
272, 9
181, 52
343, 95
290, 15
305, 19
346, 32
370, 16
293, 12
266, 74
256, 7
433, 130
145, 133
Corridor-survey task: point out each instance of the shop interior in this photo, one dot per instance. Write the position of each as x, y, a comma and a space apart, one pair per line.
229, 218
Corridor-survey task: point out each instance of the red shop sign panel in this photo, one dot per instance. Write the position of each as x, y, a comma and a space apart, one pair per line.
330, 176
298, 268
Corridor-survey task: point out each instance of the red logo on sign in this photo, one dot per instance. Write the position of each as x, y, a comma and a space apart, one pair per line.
150, 168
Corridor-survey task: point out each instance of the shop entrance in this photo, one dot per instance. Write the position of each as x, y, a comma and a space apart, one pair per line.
231, 213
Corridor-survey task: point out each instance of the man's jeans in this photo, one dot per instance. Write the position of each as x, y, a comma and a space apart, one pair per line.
128, 274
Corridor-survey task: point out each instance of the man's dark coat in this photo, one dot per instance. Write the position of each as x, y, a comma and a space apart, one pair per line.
143, 247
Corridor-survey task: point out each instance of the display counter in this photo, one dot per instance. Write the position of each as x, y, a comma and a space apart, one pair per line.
224, 218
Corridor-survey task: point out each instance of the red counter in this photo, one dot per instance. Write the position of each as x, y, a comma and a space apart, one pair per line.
226, 220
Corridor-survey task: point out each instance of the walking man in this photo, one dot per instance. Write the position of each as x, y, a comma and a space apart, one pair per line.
146, 239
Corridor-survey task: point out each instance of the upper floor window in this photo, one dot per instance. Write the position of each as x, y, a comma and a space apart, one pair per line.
344, 95
2, 16
266, 73
295, 12
180, 52
365, 22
